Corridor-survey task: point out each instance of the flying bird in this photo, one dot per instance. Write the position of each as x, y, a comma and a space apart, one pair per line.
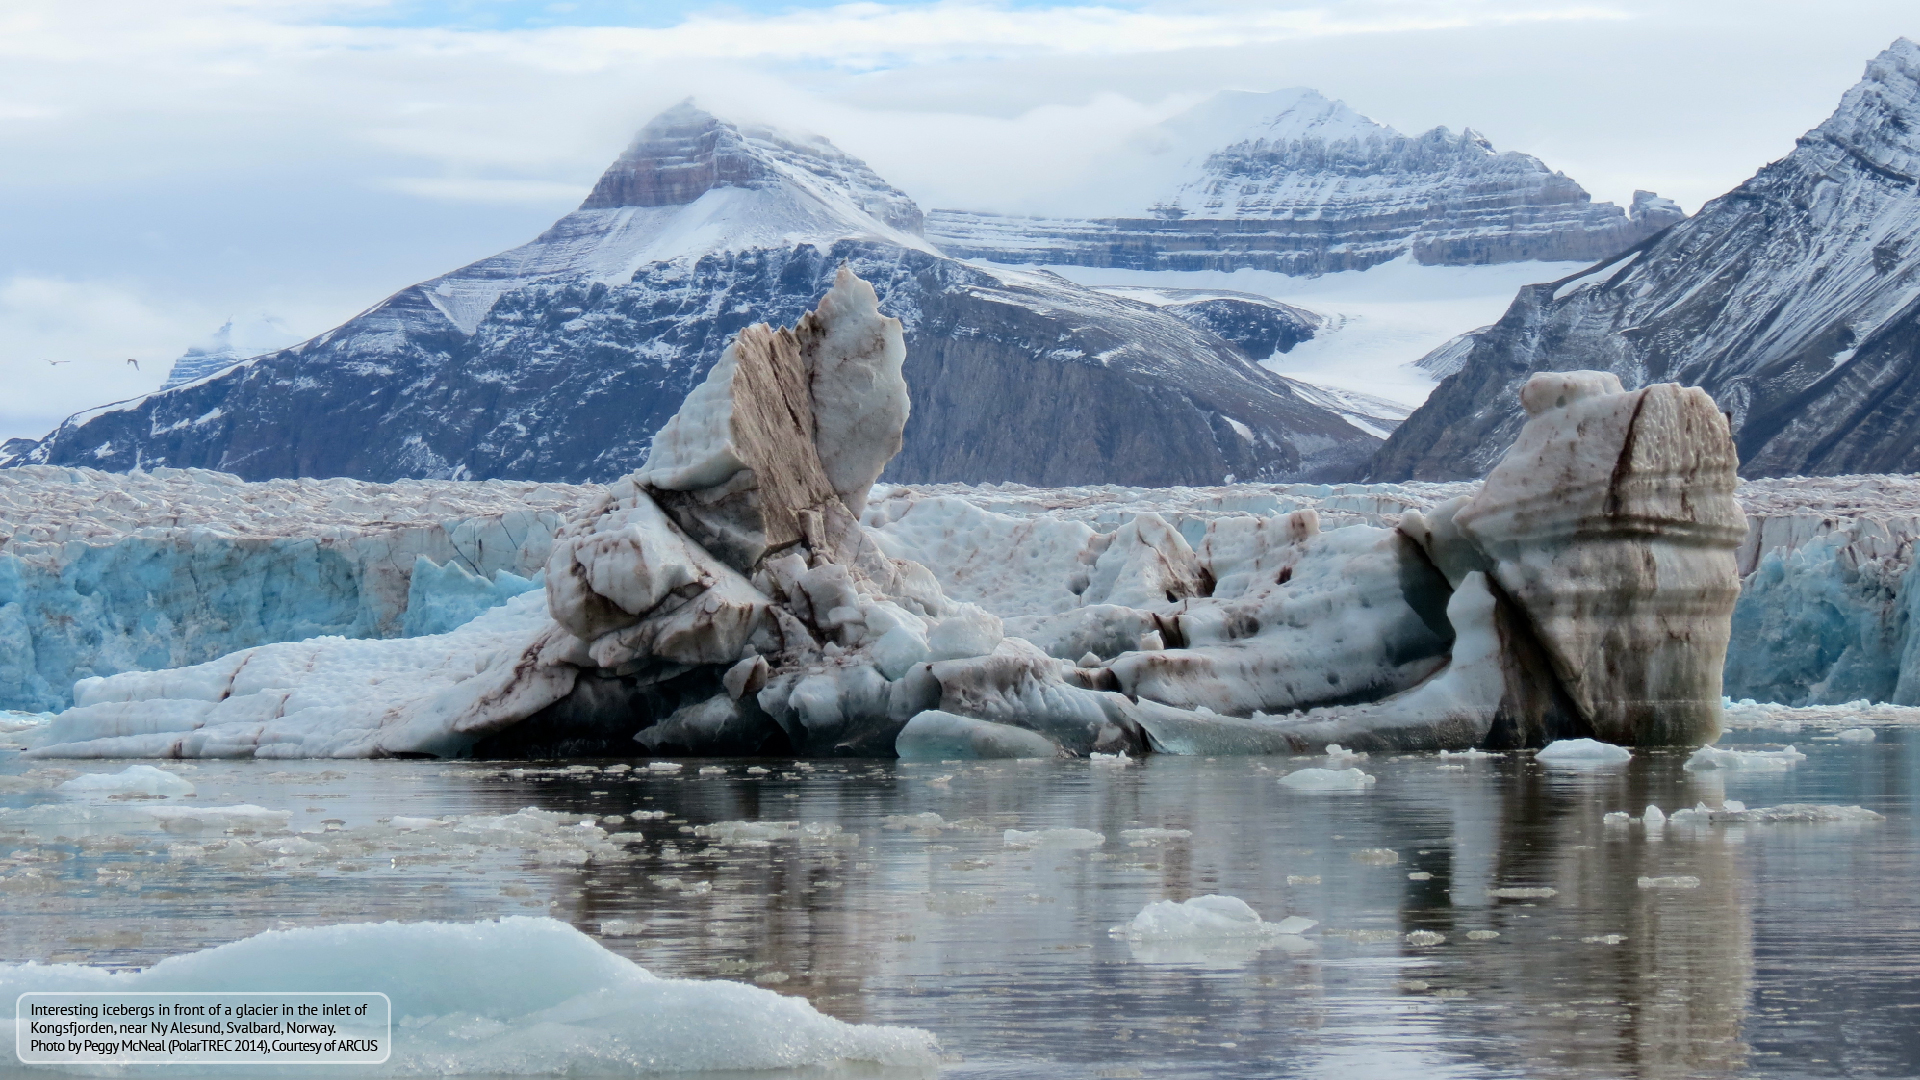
57, 363
135, 363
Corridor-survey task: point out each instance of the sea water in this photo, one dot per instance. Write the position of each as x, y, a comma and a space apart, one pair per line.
1473, 916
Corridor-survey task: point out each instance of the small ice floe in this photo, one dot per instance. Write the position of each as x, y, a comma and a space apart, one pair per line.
1119, 760
1809, 813
1712, 757
1063, 838
1207, 916
1425, 937
1470, 754
1581, 754
1208, 931
1337, 753
926, 821
411, 823
763, 833
1376, 856
571, 1007
1143, 837
622, 928
648, 815
665, 768
132, 780
209, 818
1603, 939
713, 770
1482, 935
1671, 881
1522, 893
1327, 780
1856, 734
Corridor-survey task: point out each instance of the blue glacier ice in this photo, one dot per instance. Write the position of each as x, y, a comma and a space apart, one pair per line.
102, 573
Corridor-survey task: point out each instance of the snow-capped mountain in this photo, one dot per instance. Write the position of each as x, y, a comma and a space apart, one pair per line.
1296, 183
236, 340
560, 359
1794, 299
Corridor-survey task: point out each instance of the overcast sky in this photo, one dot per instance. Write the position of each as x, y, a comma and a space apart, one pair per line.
170, 164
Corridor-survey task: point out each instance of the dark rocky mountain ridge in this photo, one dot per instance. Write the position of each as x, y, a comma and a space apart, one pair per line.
559, 360
1794, 300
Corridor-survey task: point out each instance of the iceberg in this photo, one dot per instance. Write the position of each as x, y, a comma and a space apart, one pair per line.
570, 1008
751, 589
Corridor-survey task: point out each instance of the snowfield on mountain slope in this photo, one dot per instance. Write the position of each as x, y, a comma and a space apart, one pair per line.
1380, 321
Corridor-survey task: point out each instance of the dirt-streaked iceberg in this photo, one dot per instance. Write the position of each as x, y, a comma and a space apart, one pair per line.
739, 595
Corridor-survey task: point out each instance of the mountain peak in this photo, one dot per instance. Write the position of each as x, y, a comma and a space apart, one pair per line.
1878, 121
686, 151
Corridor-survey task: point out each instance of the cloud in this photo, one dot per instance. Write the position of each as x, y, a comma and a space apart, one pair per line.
90, 328
480, 190
197, 158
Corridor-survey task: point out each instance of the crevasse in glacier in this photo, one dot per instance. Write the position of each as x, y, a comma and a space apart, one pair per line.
727, 598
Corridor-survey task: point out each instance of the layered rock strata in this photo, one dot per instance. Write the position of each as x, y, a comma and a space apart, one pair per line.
727, 599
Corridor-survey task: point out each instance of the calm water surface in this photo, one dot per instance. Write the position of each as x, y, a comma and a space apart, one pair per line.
1795, 955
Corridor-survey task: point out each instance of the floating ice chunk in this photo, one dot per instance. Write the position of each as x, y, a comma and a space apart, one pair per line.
1338, 753
1376, 856
1653, 817
1713, 757
1616, 817
1210, 916
1801, 812
1327, 780
1426, 937
1604, 939
1856, 734
664, 767
1155, 836
622, 928
943, 736
1471, 754
1522, 893
1482, 935
1674, 881
570, 1008
1119, 760
749, 832
647, 815
924, 820
1067, 838
208, 818
412, 823
1582, 753
132, 780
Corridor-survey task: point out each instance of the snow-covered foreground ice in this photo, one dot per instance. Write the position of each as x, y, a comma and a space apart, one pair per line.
520, 996
1460, 911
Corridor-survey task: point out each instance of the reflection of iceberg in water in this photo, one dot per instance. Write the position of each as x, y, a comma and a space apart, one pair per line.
1618, 980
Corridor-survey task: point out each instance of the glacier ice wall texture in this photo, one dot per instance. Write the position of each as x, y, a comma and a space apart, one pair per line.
102, 573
